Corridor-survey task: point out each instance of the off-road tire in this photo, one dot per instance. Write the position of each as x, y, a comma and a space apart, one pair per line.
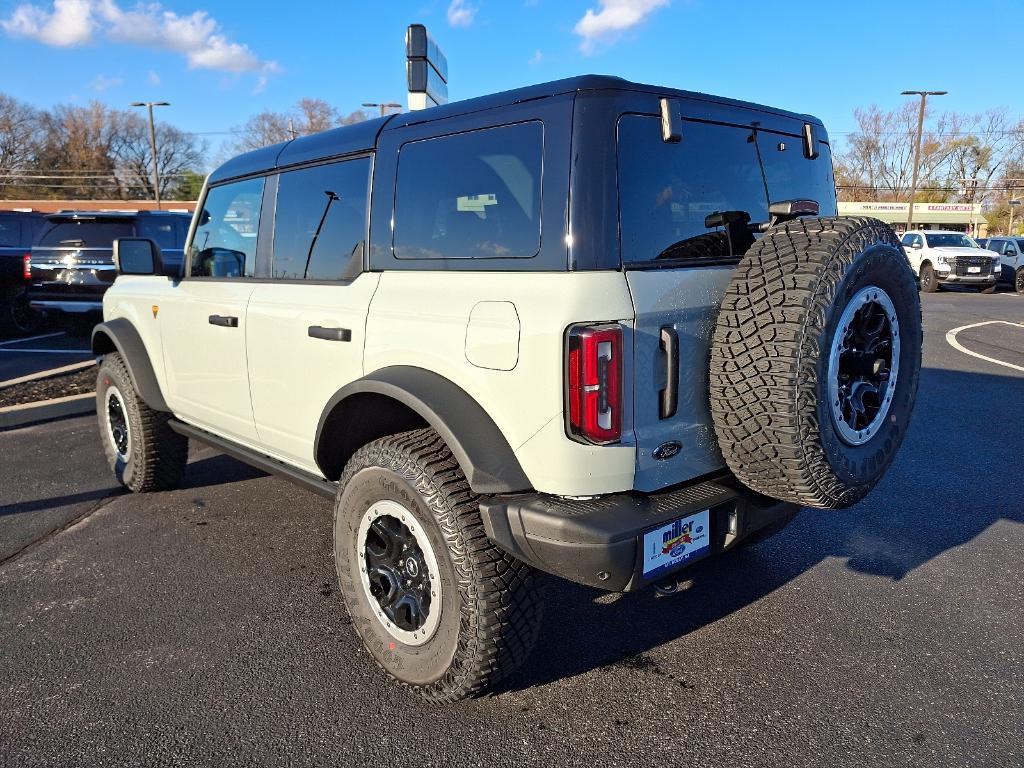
491, 603
988, 289
770, 355
929, 283
157, 455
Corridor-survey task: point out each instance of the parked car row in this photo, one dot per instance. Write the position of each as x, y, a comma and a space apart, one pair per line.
941, 257
59, 265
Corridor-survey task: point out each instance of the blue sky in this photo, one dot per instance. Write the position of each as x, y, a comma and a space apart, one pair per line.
219, 62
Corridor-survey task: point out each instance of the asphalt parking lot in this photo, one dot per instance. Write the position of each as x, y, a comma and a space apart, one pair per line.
203, 626
40, 352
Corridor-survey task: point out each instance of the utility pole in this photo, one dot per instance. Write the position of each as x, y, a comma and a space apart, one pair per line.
917, 147
384, 107
152, 143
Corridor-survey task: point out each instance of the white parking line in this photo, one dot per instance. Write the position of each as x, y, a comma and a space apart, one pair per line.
31, 338
951, 338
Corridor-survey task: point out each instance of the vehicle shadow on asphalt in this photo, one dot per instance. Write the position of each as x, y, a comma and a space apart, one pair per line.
952, 480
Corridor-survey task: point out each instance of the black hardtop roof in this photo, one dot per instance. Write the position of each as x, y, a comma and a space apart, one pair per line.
109, 215
362, 137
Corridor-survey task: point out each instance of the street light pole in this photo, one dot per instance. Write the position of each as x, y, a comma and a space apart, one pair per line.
383, 107
917, 147
152, 143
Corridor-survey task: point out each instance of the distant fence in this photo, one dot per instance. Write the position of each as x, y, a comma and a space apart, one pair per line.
52, 206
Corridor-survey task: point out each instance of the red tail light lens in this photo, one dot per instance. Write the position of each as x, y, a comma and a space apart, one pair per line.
594, 384
26, 266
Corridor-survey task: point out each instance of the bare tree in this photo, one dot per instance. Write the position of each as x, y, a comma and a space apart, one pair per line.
20, 137
177, 153
308, 116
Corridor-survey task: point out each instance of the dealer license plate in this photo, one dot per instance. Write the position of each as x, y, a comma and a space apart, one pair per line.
678, 542
973, 270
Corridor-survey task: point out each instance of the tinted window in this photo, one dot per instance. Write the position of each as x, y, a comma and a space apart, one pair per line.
666, 190
792, 176
10, 232
470, 195
1020, 245
320, 220
950, 240
225, 240
85, 233
907, 240
162, 231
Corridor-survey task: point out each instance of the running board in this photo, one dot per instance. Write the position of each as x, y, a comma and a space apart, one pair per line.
299, 477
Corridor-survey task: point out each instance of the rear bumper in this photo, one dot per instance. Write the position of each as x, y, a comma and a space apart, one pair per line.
598, 542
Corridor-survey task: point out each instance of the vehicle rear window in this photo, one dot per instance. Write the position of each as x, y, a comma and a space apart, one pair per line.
320, 220
85, 233
666, 190
474, 195
164, 232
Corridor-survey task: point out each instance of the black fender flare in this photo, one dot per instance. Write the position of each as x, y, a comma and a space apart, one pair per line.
119, 335
482, 451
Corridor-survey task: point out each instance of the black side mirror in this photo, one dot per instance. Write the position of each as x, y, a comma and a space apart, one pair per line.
137, 256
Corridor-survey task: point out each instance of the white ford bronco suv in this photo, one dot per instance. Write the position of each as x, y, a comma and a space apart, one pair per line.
591, 328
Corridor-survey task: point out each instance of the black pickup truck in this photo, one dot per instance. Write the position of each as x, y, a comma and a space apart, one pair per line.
18, 230
72, 261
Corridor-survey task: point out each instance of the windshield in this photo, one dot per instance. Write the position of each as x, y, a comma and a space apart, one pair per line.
85, 233
950, 240
667, 191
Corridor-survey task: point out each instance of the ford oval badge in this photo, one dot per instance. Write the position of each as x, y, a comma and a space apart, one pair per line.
667, 450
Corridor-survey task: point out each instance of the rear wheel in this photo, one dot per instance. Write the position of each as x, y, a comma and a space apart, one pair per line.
929, 283
1018, 280
815, 361
144, 453
19, 317
438, 606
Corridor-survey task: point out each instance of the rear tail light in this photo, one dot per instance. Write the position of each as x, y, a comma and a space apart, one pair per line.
594, 384
26, 266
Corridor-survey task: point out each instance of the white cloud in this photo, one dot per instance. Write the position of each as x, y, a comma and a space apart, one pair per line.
101, 83
614, 17
153, 77
461, 13
69, 23
196, 36
536, 58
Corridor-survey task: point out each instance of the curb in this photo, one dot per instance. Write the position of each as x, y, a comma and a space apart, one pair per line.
41, 410
47, 374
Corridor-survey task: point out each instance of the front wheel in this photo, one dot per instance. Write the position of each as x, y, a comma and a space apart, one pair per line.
1018, 280
929, 283
143, 451
437, 605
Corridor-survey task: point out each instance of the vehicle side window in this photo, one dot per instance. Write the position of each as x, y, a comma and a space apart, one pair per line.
225, 240
10, 232
471, 195
320, 220
160, 231
907, 240
916, 240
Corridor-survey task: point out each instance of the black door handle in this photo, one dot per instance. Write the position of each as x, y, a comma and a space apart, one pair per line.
330, 334
225, 320
668, 398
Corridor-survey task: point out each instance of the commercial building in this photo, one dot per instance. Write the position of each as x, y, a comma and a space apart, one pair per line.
961, 217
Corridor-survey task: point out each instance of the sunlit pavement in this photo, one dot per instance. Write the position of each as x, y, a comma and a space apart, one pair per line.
203, 626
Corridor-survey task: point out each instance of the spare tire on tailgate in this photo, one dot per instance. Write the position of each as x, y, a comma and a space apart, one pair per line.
815, 360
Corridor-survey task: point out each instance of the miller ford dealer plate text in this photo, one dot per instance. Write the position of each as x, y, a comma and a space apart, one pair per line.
678, 542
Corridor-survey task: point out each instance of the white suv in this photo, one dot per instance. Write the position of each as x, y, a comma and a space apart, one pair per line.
592, 328
939, 257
